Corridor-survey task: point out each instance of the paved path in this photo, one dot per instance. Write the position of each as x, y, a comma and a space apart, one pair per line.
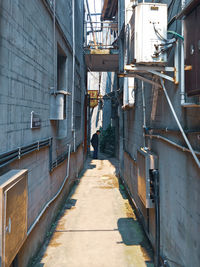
98, 227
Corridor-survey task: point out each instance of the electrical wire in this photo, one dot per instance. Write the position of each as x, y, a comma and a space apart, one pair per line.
177, 34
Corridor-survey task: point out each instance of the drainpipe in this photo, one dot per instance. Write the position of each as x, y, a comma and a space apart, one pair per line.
182, 61
144, 113
155, 174
179, 125
54, 45
73, 75
55, 196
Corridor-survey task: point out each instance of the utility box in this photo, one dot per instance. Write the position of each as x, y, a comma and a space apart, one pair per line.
192, 48
147, 161
150, 31
13, 220
58, 105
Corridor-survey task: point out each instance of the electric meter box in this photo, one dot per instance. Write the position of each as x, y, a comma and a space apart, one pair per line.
149, 32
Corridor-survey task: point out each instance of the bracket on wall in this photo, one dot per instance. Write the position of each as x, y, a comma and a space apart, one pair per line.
136, 70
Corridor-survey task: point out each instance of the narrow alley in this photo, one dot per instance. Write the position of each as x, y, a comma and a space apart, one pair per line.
99, 133
97, 226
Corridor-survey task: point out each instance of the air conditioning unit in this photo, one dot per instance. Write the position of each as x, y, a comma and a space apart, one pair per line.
150, 32
13, 220
129, 92
147, 161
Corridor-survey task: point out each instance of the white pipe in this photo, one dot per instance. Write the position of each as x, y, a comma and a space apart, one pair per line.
56, 195
144, 106
182, 84
171, 142
144, 111
73, 74
179, 125
4, 229
54, 45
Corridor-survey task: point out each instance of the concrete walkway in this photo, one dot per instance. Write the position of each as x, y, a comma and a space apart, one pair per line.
98, 227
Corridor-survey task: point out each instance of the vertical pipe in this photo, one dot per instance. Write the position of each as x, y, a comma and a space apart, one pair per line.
157, 216
91, 25
54, 45
144, 113
73, 74
182, 61
4, 229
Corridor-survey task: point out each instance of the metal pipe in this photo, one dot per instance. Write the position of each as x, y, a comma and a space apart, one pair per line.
144, 111
56, 195
12, 155
54, 44
157, 216
185, 149
73, 74
93, 34
182, 83
179, 125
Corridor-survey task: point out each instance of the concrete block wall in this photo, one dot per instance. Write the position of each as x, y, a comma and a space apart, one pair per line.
36, 238
179, 174
26, 74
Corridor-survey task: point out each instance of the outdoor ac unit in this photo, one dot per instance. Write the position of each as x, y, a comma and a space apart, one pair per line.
147, 161
129, 92
13, 220
150, 30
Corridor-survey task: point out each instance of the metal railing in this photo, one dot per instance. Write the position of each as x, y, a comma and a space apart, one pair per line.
101, 35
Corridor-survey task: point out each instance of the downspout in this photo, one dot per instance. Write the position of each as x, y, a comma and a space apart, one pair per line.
144, 113
54, 45
179, 125
155, 174
182, 84
55, 196
73, 75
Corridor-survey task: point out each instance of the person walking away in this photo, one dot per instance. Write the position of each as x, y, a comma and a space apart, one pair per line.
95, 143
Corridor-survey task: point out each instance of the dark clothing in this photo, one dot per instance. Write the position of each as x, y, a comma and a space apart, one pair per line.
95, 140
95, 143
95, 153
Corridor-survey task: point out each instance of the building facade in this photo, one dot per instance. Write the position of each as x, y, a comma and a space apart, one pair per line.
42, 76
164, 120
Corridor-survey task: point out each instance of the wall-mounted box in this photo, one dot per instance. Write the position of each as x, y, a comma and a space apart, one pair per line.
13, 219
58, 105
129, 92
150, 21
192, 47
146, 161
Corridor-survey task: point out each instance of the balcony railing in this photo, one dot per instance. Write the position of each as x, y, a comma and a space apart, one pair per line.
101, 35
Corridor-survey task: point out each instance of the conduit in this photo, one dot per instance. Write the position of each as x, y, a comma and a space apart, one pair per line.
56, 195
7, 157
